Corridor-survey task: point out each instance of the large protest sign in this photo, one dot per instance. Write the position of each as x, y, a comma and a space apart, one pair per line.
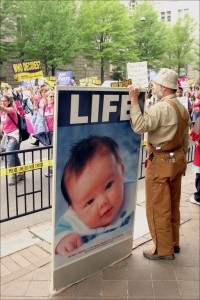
185, 85
96, 156
28, 83
184, 100
90, 81
4, 84
183, 82
49, 81
64, 77
138, 73
27, 70
124, 83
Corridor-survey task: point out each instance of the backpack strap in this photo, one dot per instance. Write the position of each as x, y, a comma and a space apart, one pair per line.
13, 120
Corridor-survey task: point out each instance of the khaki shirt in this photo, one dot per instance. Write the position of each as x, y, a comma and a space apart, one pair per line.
160, 121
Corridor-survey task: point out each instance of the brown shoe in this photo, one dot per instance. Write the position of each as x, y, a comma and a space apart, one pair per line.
149, 255
177, 249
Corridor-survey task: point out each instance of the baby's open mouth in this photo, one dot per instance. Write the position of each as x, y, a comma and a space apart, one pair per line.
107, 213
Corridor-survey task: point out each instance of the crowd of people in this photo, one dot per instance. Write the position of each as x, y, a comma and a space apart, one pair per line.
37, 105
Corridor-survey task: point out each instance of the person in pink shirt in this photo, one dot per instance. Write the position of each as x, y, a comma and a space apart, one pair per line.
196, 106
43, 91
11, 136
49, 117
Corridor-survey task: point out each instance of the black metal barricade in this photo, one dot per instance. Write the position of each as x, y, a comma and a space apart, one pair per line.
33, 194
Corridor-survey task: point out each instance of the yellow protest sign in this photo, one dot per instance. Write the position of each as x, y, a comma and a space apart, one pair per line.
124, 83
90, 81
191, 81
27, 70
28, 76
4, 84
51, 78
50, 83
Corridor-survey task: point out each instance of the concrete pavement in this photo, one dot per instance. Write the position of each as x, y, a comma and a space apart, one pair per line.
26, 262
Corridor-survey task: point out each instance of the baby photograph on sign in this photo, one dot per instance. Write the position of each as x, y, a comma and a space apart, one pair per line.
96, 167
93, 186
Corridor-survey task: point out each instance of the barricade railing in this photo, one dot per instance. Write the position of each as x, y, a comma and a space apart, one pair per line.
34, 193
31, 195
143, 155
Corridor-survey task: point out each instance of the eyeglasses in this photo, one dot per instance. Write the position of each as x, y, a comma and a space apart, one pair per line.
51, 96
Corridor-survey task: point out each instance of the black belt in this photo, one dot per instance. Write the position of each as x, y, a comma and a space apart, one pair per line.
167, 151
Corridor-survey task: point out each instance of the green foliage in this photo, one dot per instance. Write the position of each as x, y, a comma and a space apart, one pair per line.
7, 32
105, 32
182, 43
117, 73
149, 35
46, 30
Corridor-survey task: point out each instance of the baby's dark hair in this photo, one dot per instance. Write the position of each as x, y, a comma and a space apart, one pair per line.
82, 152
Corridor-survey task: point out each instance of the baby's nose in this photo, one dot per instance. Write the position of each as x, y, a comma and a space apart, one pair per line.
102, 201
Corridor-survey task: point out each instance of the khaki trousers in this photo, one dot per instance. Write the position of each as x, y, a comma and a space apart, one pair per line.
163, 191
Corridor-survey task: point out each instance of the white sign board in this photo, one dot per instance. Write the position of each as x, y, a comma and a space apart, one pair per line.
138, 73
96, 122
185, 84
184, 101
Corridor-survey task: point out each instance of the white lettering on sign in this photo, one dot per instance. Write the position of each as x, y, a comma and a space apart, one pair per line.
112, 104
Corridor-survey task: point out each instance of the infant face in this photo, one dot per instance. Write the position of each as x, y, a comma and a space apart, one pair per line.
97, 192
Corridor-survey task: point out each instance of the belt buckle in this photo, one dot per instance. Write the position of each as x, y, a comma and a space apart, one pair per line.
171, 157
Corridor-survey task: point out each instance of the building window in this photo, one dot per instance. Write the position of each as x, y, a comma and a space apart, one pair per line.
168, 16
162, 16
183, 11
165, 16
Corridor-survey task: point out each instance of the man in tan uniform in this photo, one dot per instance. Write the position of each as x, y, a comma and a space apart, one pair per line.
167, 124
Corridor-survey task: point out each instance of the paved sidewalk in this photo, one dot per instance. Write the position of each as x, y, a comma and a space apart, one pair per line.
26, 262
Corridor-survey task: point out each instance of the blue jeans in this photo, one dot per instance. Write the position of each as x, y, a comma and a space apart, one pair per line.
197, 185
12, 159
25, 107
195, 116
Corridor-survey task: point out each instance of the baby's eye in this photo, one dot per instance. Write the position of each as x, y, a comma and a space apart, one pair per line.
90, 202
108, 186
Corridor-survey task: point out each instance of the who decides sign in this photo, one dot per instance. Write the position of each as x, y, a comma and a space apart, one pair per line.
96, 156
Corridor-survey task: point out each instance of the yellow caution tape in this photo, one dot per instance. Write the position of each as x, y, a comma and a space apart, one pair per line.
144, 143
26, 168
